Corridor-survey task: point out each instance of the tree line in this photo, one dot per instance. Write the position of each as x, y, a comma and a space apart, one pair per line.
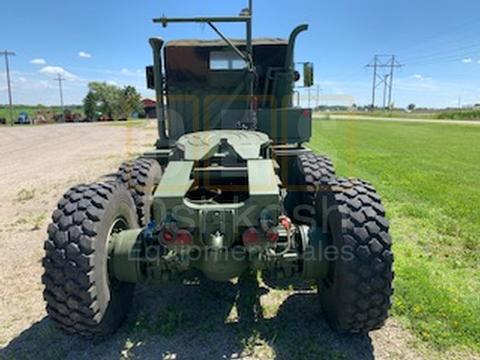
111, 102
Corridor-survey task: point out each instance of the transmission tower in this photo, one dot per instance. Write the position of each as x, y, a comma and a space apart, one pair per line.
383, 72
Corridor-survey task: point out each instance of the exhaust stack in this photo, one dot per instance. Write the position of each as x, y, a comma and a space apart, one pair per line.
157, 45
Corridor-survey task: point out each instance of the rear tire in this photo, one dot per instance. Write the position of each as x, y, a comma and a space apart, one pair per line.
81, 298
141, 177
356, 294
311, 173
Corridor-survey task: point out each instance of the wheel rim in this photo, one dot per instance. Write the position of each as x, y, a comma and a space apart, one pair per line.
119, 224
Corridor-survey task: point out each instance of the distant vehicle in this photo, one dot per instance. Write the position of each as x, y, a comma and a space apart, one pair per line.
70, 117
106, 117
23, 119
3, 121
40, 119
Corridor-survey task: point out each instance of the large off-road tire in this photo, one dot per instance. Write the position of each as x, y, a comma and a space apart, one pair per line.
356, 294
81, 297
141, 177
311, 172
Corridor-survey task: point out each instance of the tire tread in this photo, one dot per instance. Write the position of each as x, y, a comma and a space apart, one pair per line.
70, 289
361, 298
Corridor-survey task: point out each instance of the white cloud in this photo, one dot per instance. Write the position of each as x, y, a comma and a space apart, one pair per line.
419, 77
57, 70
84, 55
467, 60
41, 88
38, 61
128, 72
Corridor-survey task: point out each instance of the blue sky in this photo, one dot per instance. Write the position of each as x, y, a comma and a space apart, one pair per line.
437, 40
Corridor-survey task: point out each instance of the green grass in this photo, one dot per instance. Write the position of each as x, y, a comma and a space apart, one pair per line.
460, 115
391, 114
423, 115
429, 177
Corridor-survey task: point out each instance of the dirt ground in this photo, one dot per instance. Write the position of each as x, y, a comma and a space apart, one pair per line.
177, 321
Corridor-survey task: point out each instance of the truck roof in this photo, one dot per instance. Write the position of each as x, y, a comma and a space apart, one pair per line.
222, 43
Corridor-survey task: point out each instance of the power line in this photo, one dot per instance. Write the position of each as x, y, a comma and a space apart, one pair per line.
441, 60
440, 36
458, 51
60, 80
383, 77
7, 53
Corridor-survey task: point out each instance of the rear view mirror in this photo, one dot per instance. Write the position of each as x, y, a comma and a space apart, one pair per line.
150, 77
308, 74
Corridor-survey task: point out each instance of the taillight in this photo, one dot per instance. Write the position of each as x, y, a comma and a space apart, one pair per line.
272, 236
183, 238
168, 236
251, 237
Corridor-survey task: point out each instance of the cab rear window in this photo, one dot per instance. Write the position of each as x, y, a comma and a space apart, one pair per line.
226, 60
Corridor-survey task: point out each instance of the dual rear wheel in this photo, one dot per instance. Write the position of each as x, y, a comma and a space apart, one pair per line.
356, 294
81, 297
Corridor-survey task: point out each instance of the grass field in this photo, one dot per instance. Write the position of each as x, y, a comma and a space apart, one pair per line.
32, 110
460, 115
389, 114
466, 114
429, 177
427, 173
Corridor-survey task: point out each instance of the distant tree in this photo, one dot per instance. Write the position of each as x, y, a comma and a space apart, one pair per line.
90, 105
130, 101
106, 98
411, 107
112, 101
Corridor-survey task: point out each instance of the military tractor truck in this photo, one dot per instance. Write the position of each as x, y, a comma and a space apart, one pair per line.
228, 188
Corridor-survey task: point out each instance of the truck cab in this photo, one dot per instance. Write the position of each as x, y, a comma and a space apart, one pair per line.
206, 86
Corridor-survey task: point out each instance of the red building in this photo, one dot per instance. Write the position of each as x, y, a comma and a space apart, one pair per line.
149, 107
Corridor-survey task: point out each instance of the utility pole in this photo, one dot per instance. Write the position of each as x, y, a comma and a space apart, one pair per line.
7, 53
60, 79
379, 63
